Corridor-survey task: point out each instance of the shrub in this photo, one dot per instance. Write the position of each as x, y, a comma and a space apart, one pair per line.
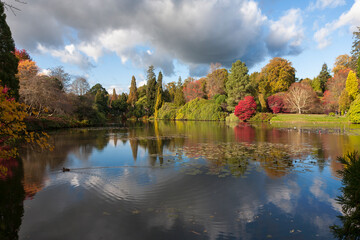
232, 118
246, 108
262, 117
220, 99
354, 111
331, 114
168, 111
201, 109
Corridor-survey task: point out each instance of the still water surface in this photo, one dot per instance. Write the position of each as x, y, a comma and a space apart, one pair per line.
179, 180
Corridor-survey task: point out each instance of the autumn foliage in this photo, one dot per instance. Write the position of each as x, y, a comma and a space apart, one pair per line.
194, 89
246, 108
276, 103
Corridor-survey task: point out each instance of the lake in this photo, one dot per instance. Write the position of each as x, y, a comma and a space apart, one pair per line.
178, 180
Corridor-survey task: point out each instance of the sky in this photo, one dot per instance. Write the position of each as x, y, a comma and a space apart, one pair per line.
110, 41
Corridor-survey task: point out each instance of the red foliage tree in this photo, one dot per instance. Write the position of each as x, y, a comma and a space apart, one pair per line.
246, 108
22, 55
195, 89
276, 103
330, 102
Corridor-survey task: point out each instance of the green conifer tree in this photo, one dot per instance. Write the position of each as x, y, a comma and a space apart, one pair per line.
8, 60
179, 98
324, 76
159, 102
151, 90
238, 84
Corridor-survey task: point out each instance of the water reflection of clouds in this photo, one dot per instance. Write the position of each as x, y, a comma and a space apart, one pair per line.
318, 190
284, 195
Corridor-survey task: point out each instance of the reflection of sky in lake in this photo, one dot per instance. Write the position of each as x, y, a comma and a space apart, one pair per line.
109, 195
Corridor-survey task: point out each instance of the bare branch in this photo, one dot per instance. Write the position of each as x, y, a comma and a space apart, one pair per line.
8, 6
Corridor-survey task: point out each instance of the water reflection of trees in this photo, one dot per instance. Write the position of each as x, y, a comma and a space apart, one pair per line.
11, 201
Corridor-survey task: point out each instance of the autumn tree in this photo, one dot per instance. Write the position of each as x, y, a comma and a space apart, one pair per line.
8, 60
216, 81
276, 76
179, 98
80, 86
246, 108
352, 85
344, 101
26, 69
151, 90
133, 95
323, 77
354, 110
330, 101
276, 103
342, 62
195, 89
300, 98
22, 55
238, 84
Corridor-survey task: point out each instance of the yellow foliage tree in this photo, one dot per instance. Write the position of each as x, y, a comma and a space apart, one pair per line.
13, 128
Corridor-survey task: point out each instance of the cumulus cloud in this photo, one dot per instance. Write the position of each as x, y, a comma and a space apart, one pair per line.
69, 54
350, 19
195, 33
322, 4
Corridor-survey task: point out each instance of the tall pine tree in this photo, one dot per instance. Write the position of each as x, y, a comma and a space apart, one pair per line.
238, 84
324, 76
151, 90
8, 60
133, 95
355, 51
179, 98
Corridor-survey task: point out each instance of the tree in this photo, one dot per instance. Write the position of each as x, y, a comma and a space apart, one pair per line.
22, 55
344, 101
151, 90
355, 51
194, 89
330, 101
246, 108
101, 100
276, 103
216, 81
26, 70
96, 88
354, 111
337, 83
300, 98
352, 85
80, 86
8, 60
119, 105
159, 83
276, 76
238, 84
63, 77
159, 102
316, 85
179, 98
170, 90
133, 95
324, 76
349, 199
358, 68
342, 62
113, 96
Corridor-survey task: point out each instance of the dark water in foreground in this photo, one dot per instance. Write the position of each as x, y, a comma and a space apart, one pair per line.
183, 180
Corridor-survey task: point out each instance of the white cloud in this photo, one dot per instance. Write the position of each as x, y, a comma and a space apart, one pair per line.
322, 4
287, 31
350, 19
68, 55
142, 83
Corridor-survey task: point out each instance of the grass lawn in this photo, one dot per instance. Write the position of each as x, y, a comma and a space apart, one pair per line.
303, 118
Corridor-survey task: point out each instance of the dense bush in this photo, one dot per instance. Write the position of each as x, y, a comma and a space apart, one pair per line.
354, 111
168, 111
262, 117
246, 108
200, 109
232, 118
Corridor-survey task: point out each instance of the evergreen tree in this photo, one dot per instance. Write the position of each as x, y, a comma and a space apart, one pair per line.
324, 76
113, 96
179, 98
238, 84
101, 100
151, 90
8, 60
159, 82
352, 85
133, 95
